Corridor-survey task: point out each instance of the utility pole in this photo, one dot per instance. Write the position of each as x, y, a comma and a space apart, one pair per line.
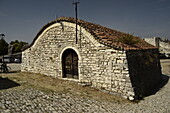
76, 3
2, 36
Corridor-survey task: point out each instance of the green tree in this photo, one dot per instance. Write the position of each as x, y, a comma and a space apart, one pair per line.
18, 45
3, 47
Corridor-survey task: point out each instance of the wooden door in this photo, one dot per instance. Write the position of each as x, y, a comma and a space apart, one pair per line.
70, 64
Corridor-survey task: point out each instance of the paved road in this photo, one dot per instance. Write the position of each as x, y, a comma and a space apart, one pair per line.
15, 66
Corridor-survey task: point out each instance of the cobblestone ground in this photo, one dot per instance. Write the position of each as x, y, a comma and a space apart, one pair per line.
34, 101
31, 100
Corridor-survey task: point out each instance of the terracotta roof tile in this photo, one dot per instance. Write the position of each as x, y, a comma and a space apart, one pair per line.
110, 37
106, 36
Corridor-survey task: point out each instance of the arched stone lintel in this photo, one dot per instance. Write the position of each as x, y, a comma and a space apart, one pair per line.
70, 47
80, 29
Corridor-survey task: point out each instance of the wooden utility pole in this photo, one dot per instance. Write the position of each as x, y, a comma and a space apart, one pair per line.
2, 36
75, 3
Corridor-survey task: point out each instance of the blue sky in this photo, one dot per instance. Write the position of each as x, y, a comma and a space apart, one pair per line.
22, 19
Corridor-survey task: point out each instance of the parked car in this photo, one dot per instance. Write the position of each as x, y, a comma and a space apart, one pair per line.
6, 60
16, 60
167, 55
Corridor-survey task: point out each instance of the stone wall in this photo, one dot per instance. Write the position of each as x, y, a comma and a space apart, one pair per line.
99, 66
113, 73
164, 47
145, 71
46, 54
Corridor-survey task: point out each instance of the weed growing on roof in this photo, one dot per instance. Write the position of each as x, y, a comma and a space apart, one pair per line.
128, 39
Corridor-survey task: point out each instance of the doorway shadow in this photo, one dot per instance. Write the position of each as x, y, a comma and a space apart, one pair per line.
6, 83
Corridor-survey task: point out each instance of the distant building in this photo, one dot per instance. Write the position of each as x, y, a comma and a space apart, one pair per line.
101, 58
162, 44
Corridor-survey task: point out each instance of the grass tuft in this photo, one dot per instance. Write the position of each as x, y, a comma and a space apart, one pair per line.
129, 39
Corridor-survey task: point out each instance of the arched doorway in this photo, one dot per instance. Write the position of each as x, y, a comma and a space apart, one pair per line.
70, 64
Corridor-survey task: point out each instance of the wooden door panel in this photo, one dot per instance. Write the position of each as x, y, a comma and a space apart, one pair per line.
70, 64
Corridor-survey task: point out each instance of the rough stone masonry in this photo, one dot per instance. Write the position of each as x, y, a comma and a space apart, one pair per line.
102, 58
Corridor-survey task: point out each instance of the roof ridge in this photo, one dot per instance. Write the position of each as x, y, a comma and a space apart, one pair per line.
104, 35
107, 35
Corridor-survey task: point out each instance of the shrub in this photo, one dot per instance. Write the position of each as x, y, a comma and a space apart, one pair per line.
128, 39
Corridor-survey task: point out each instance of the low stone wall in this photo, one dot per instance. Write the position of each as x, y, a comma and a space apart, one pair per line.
145, 71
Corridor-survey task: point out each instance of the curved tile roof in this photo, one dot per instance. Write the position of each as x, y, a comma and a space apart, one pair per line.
106, 36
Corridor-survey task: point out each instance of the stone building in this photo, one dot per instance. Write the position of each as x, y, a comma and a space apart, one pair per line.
102, 58
162, 44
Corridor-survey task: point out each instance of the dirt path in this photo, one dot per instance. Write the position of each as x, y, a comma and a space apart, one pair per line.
15, 66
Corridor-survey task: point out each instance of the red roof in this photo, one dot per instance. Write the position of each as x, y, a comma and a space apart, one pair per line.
106, 36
